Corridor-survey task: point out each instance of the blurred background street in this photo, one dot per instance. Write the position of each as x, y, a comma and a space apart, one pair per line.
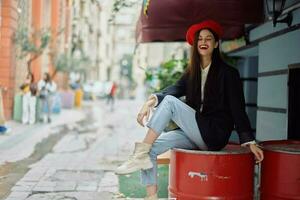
74, 74
74, 157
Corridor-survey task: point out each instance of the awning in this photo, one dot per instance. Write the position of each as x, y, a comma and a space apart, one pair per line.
168, 20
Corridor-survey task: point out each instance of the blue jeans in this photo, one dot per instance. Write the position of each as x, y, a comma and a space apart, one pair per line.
46, 107
187, 137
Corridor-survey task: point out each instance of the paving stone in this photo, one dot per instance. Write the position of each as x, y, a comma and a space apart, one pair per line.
70, 143
88, 183
19, 195
79, 176
71, 196
23, 188
43, 189
31, 178
15, 198
65, 186
89, 195
112, 189
40, 170
86, 188
46, 184
42, 196
50, 172
26, 183
109, 179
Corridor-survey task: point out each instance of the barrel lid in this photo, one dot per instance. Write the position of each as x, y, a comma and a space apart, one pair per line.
292, 148
229, 149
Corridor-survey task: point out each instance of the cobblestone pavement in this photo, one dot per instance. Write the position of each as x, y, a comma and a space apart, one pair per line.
80, 165
20, 142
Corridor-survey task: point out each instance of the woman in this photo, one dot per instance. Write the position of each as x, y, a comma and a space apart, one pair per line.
46, 88
214, 105
3, 128
29, 100
111, 95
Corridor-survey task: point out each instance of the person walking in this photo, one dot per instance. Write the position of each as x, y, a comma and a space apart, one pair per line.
214, 106
3, 128
29, 90
111, 95
46, 88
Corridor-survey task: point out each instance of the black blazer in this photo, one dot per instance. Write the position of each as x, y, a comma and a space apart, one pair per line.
221, 112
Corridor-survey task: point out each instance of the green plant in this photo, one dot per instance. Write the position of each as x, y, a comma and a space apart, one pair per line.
167, 74
231, 60
31, 45
118, 5
66, 63
62, 62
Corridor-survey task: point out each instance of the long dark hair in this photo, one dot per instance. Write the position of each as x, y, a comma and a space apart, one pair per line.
31, 76
193, 95
48, 77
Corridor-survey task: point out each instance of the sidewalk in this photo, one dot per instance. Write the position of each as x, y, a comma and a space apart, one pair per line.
80, 166
20, 142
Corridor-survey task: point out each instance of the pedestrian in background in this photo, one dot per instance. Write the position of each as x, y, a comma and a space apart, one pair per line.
3, 127
46, 89
78, 93
111, 95
214, 105
29, 90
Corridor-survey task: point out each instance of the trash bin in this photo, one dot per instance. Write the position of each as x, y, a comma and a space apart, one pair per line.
280, 170
56, 103
199, 175
67, 99
78, 97
18, 106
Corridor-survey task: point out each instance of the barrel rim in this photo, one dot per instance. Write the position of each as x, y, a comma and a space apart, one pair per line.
281, 151
211, 152
274, 142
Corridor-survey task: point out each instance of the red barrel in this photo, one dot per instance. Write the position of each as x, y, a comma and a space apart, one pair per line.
226, 174
280, 170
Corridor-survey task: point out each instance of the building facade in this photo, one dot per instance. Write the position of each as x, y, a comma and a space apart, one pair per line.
35, 15
269, 65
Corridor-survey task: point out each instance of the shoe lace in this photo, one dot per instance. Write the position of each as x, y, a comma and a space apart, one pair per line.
131, 158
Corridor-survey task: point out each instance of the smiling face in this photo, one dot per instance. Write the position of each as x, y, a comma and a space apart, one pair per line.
206, 43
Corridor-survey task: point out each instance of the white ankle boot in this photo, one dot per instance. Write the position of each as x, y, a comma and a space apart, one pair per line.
152, 197
139, 160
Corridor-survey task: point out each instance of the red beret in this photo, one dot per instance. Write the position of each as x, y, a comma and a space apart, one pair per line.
210, 24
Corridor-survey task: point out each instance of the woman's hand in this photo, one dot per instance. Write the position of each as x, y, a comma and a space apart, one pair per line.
145, 111
259, 154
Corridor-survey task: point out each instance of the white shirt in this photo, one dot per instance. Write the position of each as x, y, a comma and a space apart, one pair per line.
50, 87
204, 73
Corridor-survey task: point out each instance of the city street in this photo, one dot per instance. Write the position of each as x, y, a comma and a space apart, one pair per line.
74, 75
80, 149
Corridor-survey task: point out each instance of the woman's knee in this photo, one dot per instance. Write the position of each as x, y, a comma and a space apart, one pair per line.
169, 98
157, 149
